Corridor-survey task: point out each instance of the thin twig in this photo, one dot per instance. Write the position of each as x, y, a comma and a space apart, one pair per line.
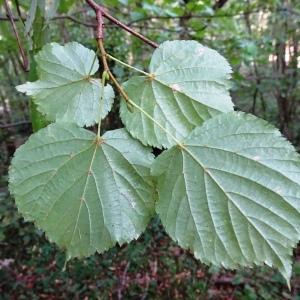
58, 17
99, 10
14, 124
5, 18
128, 29
25, 62
148, 18
73, 19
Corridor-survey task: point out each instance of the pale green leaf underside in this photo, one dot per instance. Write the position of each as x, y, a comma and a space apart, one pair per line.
65, 90
232, 194
86, 197
189, 86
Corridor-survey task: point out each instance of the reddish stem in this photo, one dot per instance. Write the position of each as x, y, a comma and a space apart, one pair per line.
100, 11
100, 23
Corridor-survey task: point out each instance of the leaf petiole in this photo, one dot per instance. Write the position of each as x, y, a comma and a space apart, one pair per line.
104, 76
127, 65
129, 102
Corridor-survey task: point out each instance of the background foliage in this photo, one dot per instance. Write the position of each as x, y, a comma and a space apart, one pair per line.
261, 41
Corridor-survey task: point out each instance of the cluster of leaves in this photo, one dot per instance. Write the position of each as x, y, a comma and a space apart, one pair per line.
226, 186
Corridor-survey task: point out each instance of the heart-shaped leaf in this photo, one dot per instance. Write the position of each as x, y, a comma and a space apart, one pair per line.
66, 91
188, 84
86, 194
231, 193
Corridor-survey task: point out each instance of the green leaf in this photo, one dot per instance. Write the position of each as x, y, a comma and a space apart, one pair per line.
66, 91
231, 194
188, 85
86, 195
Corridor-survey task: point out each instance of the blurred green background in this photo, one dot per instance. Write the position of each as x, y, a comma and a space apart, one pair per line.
261, 40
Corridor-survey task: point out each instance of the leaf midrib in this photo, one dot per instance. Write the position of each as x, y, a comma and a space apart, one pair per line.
229, 198
82, 199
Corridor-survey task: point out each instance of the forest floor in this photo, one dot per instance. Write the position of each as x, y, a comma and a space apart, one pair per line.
153, 267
